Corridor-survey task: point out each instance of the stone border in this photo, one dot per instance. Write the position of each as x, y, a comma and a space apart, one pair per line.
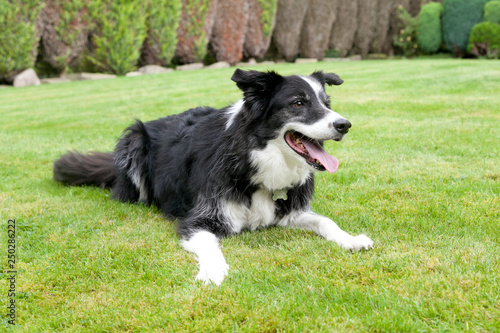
29, 76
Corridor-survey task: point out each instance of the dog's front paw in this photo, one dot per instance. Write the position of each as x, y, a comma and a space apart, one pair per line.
357, 243
214, 272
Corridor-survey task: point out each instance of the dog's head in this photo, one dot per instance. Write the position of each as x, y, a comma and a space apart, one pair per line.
293, 111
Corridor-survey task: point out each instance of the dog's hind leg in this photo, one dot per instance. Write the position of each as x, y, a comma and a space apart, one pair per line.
328, 229
205, 245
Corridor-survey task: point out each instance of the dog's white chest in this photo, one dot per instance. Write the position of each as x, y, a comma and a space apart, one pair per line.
278, 167
261, 212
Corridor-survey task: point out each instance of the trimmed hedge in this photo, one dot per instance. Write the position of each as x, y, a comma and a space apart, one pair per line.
18, 36
484, 40
492, 12
429, 27
121, 30
162, 23
459, 17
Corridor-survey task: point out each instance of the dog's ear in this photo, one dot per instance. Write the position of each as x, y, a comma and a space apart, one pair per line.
255, 85
327, 78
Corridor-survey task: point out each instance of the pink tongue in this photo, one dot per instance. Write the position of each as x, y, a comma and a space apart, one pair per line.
316, 151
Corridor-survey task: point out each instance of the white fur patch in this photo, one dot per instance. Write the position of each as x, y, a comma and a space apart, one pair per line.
236, 213
320, 130
261, 212
139, 183
328, 229
233, 111
278, 166
213, 266
315, 85
318, 88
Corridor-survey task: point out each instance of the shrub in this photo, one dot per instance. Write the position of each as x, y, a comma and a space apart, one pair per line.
64, 35
429, 27
162, 23
18, 37
406, 40
197, 11
484, 40
121, 30
492, 12
269, 8
459, 16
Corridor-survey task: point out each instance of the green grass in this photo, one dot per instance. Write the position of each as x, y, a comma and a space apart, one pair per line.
419, 174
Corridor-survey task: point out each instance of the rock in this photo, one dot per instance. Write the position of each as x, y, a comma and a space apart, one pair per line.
376, 56
53, 80
228, 33
190, 67
154, 69
334, 59
267, 63
87, 76
219, 65
305, 60
250, 62
356, 57
27, 77
131, 74
317, 27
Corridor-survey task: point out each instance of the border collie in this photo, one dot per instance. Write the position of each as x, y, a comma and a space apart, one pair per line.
219, 172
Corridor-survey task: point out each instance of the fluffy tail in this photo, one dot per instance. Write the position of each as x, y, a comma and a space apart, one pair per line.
85, 169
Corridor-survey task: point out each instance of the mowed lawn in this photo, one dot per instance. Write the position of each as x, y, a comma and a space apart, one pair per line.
419, 173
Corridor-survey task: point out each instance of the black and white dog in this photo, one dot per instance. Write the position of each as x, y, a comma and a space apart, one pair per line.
218, 172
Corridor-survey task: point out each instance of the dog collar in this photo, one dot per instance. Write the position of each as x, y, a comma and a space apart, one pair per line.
280, 194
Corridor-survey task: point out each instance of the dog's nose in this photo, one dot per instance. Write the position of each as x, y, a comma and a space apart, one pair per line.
342, 125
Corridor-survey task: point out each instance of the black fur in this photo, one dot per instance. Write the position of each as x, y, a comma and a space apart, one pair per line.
85, 169
187, 163
327, 78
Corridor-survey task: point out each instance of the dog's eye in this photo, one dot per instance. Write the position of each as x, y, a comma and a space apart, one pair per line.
298, 104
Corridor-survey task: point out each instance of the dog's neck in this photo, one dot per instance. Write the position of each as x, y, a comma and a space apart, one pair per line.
278, 168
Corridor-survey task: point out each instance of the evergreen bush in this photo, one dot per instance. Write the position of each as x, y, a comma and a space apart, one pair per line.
197, 11
72, 19
484, 40
64, 35
120, 33
459, 17
18, 36
406, 40
269, 8
162, 23
492, 12
429, 27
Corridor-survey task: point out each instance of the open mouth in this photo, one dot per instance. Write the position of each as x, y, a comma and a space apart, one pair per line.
312, 151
